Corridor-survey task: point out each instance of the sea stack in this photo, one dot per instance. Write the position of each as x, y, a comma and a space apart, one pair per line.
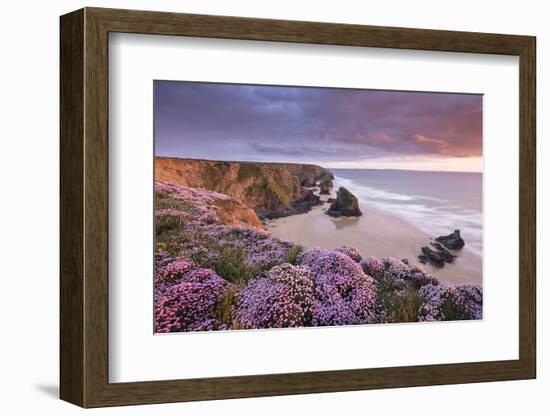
452, 241
346, 205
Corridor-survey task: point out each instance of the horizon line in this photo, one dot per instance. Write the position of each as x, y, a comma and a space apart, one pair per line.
317, 164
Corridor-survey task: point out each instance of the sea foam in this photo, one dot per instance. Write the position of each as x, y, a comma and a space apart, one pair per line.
433, 214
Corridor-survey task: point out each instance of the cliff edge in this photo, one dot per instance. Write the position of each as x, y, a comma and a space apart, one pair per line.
270, 189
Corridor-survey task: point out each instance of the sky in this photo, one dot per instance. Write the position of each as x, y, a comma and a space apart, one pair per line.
335, 128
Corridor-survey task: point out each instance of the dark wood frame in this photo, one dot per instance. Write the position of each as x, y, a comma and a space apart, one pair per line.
84, 207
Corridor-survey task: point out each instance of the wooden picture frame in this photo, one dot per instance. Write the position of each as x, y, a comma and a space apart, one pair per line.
84, 207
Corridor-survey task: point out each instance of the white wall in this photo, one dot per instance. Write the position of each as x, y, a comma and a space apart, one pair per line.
29, 217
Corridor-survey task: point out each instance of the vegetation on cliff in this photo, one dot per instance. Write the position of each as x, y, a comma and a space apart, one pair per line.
270, 189
214, 272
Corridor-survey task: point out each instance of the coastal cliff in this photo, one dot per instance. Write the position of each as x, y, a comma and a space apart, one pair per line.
270, 189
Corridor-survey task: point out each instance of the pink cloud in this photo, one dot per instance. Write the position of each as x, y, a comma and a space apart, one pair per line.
379, 137
431, 142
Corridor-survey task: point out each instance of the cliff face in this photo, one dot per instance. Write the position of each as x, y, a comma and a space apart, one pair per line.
235, 213
271, 189
307, 174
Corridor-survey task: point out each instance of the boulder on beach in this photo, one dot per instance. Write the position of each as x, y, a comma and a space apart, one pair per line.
346, 205
447, 257
432, 256
423, 259
452, 241
437, 257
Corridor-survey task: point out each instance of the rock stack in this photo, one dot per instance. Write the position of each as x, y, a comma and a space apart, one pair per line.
346, 205
442, 245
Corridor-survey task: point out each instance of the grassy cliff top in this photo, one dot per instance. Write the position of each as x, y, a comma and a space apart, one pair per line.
242, 162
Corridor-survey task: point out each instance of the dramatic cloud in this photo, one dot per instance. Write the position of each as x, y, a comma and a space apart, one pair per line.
322, 125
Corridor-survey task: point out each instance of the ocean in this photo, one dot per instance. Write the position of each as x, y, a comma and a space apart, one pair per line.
437, 203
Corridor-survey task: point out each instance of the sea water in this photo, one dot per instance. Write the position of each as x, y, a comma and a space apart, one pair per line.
435, 202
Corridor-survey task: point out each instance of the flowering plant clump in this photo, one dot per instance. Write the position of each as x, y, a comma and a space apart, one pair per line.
186, 206
260, 248
173, 271
162, 258
300, 282
445, 302
351, 252
373, 267
471, 298
190, 304
344, 293
330, 308
282, 298
396, 268
417, 279
171, 212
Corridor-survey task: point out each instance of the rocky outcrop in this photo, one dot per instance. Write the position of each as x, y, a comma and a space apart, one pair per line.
452, 241
346, 205
326, 178
441, 255
437, 257
324, 188
325, 183
308, 175
301, 206
270, 189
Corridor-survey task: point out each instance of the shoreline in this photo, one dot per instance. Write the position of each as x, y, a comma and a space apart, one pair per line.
375, 233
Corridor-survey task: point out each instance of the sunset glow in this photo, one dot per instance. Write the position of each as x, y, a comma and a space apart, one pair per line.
449, 164
338, 128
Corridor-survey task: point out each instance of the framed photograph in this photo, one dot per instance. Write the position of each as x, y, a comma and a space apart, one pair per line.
257, 207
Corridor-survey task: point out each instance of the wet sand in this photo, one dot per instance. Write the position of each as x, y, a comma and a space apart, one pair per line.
375, 233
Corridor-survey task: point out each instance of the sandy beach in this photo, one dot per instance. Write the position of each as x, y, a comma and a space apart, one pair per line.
375, 233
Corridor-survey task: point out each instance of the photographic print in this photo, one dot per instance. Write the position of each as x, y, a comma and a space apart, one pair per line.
290, 206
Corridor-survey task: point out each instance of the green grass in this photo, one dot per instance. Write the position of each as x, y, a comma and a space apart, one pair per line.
281, 194
408, 306
231, 264
292, 253
452, 311
345, 196
167, 227
225, 309
247, 170
166, 224
400, 306
165, 200
213, 173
